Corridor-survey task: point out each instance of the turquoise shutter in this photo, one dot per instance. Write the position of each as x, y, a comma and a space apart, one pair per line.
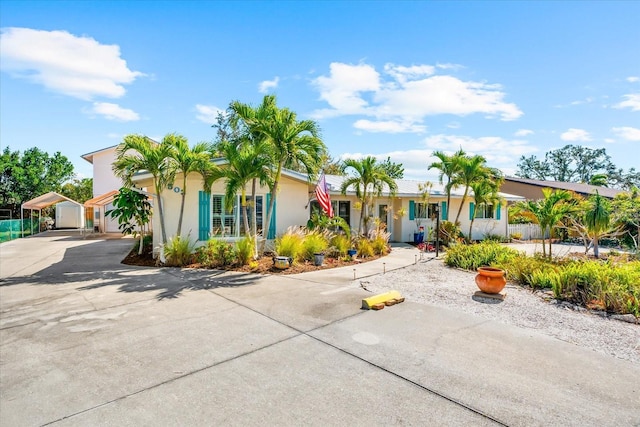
204, 215
412, 209
272, 225
471, 210
443, 211
498, 212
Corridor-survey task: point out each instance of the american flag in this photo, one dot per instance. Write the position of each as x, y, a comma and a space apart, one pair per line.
322, 195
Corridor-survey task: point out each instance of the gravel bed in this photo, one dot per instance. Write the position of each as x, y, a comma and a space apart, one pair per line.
431, 282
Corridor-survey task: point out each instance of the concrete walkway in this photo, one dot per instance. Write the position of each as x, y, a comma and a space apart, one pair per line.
86, 340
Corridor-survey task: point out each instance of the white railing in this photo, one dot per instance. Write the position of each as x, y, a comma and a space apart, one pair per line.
528, 231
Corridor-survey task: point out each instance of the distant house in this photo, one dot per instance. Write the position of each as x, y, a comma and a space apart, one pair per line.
105, 187
531, 189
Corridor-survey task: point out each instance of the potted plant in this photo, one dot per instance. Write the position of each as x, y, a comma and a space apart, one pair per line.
318, 259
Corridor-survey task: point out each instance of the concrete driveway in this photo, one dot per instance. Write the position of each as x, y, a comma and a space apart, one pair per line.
86, 340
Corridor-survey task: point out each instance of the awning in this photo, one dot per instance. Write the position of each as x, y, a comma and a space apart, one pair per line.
101, 200
47, 199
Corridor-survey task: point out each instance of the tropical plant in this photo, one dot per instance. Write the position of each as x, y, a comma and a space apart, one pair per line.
626, 213
293, 143
369, 180
178, 251
365, 248
131, 208
320, 221
314, 243
138, 153
486, 253
245, 250
548, 212
187, 160
449, 167
472, 169
217, 253
290, 244
485, 192
597, 219
341, 244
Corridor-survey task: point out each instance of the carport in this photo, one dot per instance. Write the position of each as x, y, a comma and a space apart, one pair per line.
96, 210
41, 202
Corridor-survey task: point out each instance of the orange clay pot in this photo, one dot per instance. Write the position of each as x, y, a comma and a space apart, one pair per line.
490, 280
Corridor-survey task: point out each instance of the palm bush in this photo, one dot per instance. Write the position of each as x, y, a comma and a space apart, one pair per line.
365, 248
341, 244
217, 253
179, 251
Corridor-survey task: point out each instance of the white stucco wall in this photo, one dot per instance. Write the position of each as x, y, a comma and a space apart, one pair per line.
103, 178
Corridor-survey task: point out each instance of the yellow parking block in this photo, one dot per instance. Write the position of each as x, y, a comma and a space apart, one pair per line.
381, 298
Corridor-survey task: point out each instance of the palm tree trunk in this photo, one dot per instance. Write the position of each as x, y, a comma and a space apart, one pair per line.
254, 224
544, 242
446, 218
471, 227
183, 196
596, 250
272, 202
464, 197
161, 214
243, 203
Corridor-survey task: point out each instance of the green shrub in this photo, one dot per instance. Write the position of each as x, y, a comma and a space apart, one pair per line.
290, 243
179, 251
379, 245
314, 243
365, 249
470, 257
520, 269
217, 253
449, 233
245, 248
340, 244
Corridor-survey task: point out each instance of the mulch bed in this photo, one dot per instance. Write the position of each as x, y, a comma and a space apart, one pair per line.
265, 263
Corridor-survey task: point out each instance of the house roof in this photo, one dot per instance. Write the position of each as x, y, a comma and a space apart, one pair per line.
577, 187
101, 200
408, 188
47, 199
89, 156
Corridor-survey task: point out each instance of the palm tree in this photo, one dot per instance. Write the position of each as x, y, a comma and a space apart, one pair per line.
449, 166
471, 169
291, 142
547, 212
245, 164
188, 160
484, 192
369, 181
597, 219
138, 153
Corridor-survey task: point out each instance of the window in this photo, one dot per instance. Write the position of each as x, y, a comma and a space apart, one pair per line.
484, 211
228, 222
341, 208
425, 210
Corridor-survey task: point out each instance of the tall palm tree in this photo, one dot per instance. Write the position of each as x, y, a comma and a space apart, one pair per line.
245, 164
369, 180
484, 192
449, 166
471, 169
188, 160
292, 141
597, 219
547, 212
138, 153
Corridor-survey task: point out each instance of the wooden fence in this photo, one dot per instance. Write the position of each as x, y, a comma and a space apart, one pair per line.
528, 231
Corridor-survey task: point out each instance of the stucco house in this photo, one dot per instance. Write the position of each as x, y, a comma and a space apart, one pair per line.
205, 214
105, 187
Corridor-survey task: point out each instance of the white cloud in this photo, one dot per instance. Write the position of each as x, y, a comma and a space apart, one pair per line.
632, 101
114, 112
342, 88
609, 140
415, 162
633, 79
628, 133
75, 66
113, 135
266, 85
389, 126
407, 94
523, 132
208, 113
575, 135
498, 151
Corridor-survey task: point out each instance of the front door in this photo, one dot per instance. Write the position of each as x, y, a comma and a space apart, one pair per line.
383, 215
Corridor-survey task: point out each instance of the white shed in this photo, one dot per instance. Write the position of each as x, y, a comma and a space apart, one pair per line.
69, 214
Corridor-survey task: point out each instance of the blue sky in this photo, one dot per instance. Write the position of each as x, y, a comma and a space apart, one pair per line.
399, 79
